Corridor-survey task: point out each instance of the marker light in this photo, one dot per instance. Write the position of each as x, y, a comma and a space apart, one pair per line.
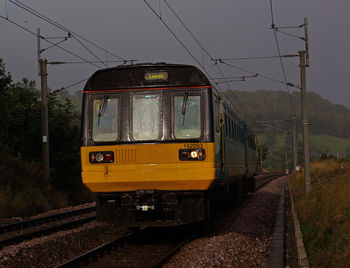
101, 157
108, 157
185, 154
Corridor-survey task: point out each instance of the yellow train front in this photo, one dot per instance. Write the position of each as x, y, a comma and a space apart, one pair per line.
156, 145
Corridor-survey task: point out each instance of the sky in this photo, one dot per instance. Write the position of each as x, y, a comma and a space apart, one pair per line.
225, 29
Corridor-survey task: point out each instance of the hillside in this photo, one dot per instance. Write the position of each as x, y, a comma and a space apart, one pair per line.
325, 118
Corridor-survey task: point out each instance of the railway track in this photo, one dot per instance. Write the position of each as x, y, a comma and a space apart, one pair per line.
264, 178
149, 247
24, 230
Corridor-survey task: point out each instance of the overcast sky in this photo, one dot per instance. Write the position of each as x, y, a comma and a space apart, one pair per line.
225, 28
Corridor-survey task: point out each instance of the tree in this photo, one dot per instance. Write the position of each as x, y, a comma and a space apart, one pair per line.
20, 131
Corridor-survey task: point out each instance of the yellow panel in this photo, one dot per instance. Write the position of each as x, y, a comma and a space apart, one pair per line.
148, 166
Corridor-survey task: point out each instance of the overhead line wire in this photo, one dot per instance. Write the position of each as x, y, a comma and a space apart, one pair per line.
206, 52
66, 50
292, 35
176, 37
56, 24
262, 57
54, 45
233, 93
258, 74
81, 62
272, 17
69, 86
189, 31
290, 27
235, 77
281, 61
93, 54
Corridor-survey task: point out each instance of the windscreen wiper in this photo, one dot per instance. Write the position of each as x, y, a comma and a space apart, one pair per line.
102, 109
184, 105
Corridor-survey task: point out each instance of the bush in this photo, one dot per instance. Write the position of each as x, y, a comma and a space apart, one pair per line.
22, 186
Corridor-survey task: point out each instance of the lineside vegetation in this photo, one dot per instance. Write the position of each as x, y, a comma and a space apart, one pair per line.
23, 191
324, 214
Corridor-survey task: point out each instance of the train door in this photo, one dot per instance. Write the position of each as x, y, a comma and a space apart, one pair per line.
245, 142
218, 132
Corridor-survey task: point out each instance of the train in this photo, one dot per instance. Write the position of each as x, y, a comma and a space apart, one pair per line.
162, 146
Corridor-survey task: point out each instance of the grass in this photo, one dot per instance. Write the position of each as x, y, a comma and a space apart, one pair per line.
331, 144
324, 213
321, 143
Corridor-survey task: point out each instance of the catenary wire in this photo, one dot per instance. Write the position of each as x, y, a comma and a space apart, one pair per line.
193, 36
188, 30
176, 37
82, 62
277, 29
31, 32
281, 61
42, 50
56, 24
208, 54
69, 86
258, 74
290, 27
93, 54
235, 77
272, 17
261, 57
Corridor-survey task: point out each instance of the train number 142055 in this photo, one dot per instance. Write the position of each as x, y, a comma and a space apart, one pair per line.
193, 145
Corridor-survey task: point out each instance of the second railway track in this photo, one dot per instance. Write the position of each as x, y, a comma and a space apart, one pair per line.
24, 230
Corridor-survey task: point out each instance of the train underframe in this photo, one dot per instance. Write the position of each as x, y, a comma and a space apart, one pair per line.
169, 208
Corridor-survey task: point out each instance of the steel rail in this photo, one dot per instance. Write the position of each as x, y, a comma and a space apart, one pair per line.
41, 220
267, 178
99, 251
46, 226
166, 257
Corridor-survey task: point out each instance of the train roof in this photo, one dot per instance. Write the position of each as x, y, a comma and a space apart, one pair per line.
146, 75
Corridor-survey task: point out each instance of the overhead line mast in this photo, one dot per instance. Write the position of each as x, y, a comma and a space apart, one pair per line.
304, 62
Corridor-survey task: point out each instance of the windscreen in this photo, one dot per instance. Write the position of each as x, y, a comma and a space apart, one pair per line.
187, 117
145, 117
105, 119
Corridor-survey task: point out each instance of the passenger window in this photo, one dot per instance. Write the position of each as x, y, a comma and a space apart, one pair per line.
216, 114
187, 117
105, 119
145, 117
233, 130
